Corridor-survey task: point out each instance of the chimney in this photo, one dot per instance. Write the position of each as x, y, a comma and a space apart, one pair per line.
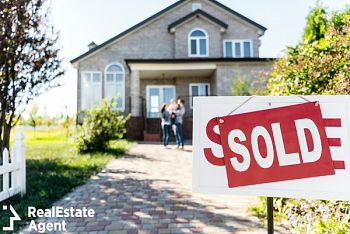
92, 45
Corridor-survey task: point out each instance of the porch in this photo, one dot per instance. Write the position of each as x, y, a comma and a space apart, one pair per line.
154, 83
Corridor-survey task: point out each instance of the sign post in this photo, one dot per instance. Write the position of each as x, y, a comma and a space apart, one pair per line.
270, 226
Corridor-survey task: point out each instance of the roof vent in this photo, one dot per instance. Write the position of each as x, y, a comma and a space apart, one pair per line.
92, 45
196, 6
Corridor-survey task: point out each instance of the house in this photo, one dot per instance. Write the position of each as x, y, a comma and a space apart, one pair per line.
191, 48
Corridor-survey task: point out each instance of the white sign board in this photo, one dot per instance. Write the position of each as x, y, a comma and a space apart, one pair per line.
211, 179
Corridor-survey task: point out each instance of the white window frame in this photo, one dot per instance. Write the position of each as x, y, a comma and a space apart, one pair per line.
161, 95
242, 48
190, 91
190, 38
123, 86
83, 73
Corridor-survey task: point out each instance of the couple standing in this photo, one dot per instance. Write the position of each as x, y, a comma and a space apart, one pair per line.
172, 118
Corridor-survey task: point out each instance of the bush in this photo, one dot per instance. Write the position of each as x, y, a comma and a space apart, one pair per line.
318, 216
100, 125
241, 87
308, 216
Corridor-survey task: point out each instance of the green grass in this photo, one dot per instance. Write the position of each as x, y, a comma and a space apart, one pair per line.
55, 168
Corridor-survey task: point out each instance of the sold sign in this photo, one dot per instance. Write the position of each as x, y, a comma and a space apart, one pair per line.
278, 144
272, 146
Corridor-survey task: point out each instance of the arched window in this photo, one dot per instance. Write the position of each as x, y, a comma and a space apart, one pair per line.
115, 85
198, 42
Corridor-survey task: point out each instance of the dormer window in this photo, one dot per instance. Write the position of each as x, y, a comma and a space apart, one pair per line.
238, 49
198, 43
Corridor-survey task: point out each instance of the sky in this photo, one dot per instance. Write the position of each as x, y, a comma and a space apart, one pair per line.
81, 21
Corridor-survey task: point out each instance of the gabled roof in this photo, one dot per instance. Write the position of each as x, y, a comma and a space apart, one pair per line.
139, 25
238, 15
196, 14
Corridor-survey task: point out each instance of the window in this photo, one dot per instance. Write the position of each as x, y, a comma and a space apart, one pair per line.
198, 90
198, 43
156, 97
91, 90
115, 85
238, 49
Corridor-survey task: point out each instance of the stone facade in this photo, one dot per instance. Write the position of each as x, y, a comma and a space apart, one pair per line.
214, 34
251, 71
153, 40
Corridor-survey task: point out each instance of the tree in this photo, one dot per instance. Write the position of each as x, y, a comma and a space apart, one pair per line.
317, 23
319, 67
33, 115
320, 64
29, 60
66, 121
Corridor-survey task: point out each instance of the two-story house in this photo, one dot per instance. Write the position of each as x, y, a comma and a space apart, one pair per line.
191, 48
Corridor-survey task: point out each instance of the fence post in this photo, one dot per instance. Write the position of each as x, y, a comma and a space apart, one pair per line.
19, 151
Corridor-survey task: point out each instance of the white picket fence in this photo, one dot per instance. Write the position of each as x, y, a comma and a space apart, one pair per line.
13, 170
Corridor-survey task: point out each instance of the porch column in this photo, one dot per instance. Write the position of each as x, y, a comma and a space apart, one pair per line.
135, 93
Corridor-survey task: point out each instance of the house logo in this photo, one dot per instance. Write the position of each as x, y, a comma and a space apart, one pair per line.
13, 218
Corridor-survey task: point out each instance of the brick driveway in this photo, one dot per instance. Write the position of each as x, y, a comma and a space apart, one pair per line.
149, 191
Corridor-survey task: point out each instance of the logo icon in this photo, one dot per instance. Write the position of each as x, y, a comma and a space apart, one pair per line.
14, 218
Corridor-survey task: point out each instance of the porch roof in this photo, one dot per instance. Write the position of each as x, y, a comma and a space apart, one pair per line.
160, 69
188, 67
132, 63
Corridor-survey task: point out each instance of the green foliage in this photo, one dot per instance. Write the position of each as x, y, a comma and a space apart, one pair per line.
316, 26
55, 168
309, 216
243, 87
318, 216
240, 87
29, 59
101, 125
278, 205
320, 67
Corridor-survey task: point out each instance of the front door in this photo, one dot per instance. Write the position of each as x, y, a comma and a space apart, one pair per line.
158, 95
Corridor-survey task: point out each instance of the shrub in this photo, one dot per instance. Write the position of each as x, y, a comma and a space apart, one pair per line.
100, 125
318, 216
241, 87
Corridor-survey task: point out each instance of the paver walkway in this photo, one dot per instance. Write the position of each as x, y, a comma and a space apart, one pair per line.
149, 191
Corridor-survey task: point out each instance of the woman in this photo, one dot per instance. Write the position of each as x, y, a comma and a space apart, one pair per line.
165, 117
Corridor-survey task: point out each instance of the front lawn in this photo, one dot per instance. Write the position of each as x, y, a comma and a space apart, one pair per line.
54, 168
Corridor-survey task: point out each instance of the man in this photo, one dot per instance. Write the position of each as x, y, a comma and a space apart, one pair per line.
180, 112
